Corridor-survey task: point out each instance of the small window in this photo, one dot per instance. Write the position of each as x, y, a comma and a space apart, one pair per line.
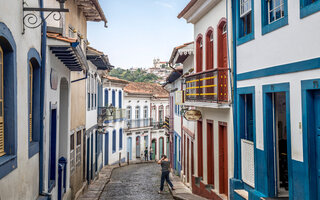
137, 112
245, 7
129, 112
145, 112
275, 10
247, 115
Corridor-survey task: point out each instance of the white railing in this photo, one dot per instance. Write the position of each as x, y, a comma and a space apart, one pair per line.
247, 162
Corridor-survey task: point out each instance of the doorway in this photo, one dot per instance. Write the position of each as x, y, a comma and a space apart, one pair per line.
138, 147
276, 138
210, 153
52, 147
200, 149
154, 148
223, 158
129, 147
161, 148
106, 149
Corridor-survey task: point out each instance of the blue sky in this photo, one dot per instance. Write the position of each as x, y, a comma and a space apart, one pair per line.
140, 30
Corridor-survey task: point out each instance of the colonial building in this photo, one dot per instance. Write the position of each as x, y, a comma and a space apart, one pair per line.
114, 122
146, 106
181, 130
208, 90
276, 54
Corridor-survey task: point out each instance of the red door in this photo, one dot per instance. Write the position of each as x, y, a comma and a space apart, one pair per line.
187, 151
192, 158
184, 153
222, 63
210, 154
200, 151
223, 158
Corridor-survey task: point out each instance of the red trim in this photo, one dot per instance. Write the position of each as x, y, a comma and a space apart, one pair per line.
223, 158
210, 152
209, 49
199, 53
190, 133
200, 148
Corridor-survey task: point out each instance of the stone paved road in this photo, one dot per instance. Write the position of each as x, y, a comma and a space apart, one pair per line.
136, 182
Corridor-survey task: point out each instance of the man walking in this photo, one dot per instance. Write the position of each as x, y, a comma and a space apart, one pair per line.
146, 154
165, 169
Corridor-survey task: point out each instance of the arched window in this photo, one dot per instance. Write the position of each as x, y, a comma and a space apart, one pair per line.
145, 112
209, 49
154, 113
137, 112
199, 53
129, 112
161, 114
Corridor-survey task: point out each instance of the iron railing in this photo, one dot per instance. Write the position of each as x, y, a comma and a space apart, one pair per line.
157, 125
107, 114
208, 86
139, 123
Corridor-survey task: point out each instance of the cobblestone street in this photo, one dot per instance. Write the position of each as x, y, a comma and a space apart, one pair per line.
140, 181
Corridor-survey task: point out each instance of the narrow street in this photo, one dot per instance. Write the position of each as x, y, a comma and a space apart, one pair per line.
140, 181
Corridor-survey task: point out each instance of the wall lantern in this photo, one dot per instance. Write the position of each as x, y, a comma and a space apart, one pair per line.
31, 20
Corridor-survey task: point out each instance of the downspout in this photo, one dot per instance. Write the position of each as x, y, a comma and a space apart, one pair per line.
42, 90
81, 78
235, 102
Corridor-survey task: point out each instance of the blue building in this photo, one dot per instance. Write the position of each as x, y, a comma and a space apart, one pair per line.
276, 101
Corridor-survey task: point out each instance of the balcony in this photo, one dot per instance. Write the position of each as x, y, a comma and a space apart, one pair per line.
139, 123
157, 125
106, 115
208, 86
168, 123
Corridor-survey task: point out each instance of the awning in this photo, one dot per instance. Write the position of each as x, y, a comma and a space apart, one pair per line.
100, 61
71, 55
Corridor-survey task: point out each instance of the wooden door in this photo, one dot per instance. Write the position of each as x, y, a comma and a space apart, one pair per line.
188, 152
210, 153
192, 158
154, 148
161, 147
223, 159
200, 149
138, 147
317, 133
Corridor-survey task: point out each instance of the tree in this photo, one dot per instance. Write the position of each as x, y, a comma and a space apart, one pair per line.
138, 75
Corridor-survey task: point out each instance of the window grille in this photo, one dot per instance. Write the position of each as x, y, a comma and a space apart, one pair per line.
245, 7
1, 106
275, 10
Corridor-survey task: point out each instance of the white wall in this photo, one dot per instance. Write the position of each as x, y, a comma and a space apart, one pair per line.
297, 41
22, 182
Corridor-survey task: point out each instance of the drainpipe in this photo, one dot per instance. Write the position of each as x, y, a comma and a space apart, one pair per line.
42, 90
235, 102
81, 78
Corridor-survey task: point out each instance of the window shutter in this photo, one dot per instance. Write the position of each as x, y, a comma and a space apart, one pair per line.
30, 99
1, 106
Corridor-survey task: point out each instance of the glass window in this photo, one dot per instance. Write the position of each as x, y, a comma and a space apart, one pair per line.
129, 112
30, 99
275, 10
145, 112
137, 112
245, 7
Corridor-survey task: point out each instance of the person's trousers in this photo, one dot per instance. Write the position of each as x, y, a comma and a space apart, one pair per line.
165, 176
150, 156
146, 157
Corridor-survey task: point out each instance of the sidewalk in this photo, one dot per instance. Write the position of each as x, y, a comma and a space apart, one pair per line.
182, 192
94, 190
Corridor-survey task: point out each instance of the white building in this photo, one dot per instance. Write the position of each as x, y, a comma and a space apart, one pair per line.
113, 139
277, 64
146, 106
180, 130
208, 90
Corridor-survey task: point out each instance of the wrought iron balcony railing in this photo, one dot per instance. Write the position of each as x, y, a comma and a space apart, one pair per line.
158, 125
208, 86
139, 123
168, 123
109, 114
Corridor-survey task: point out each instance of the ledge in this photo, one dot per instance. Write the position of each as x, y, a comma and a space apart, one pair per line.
7, 164
208, 104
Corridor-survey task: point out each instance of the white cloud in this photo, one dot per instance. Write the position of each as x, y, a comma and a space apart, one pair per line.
164, 4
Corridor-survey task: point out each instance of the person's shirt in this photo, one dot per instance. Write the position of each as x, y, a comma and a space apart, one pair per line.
165, 166
146, 151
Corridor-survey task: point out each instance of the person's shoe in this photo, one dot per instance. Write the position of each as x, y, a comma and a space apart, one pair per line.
173, 188
159, 192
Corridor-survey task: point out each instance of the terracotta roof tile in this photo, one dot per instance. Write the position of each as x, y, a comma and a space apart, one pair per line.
115, 79
153, 89
57, 36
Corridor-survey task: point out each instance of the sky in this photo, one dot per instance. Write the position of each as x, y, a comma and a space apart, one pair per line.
139, 31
